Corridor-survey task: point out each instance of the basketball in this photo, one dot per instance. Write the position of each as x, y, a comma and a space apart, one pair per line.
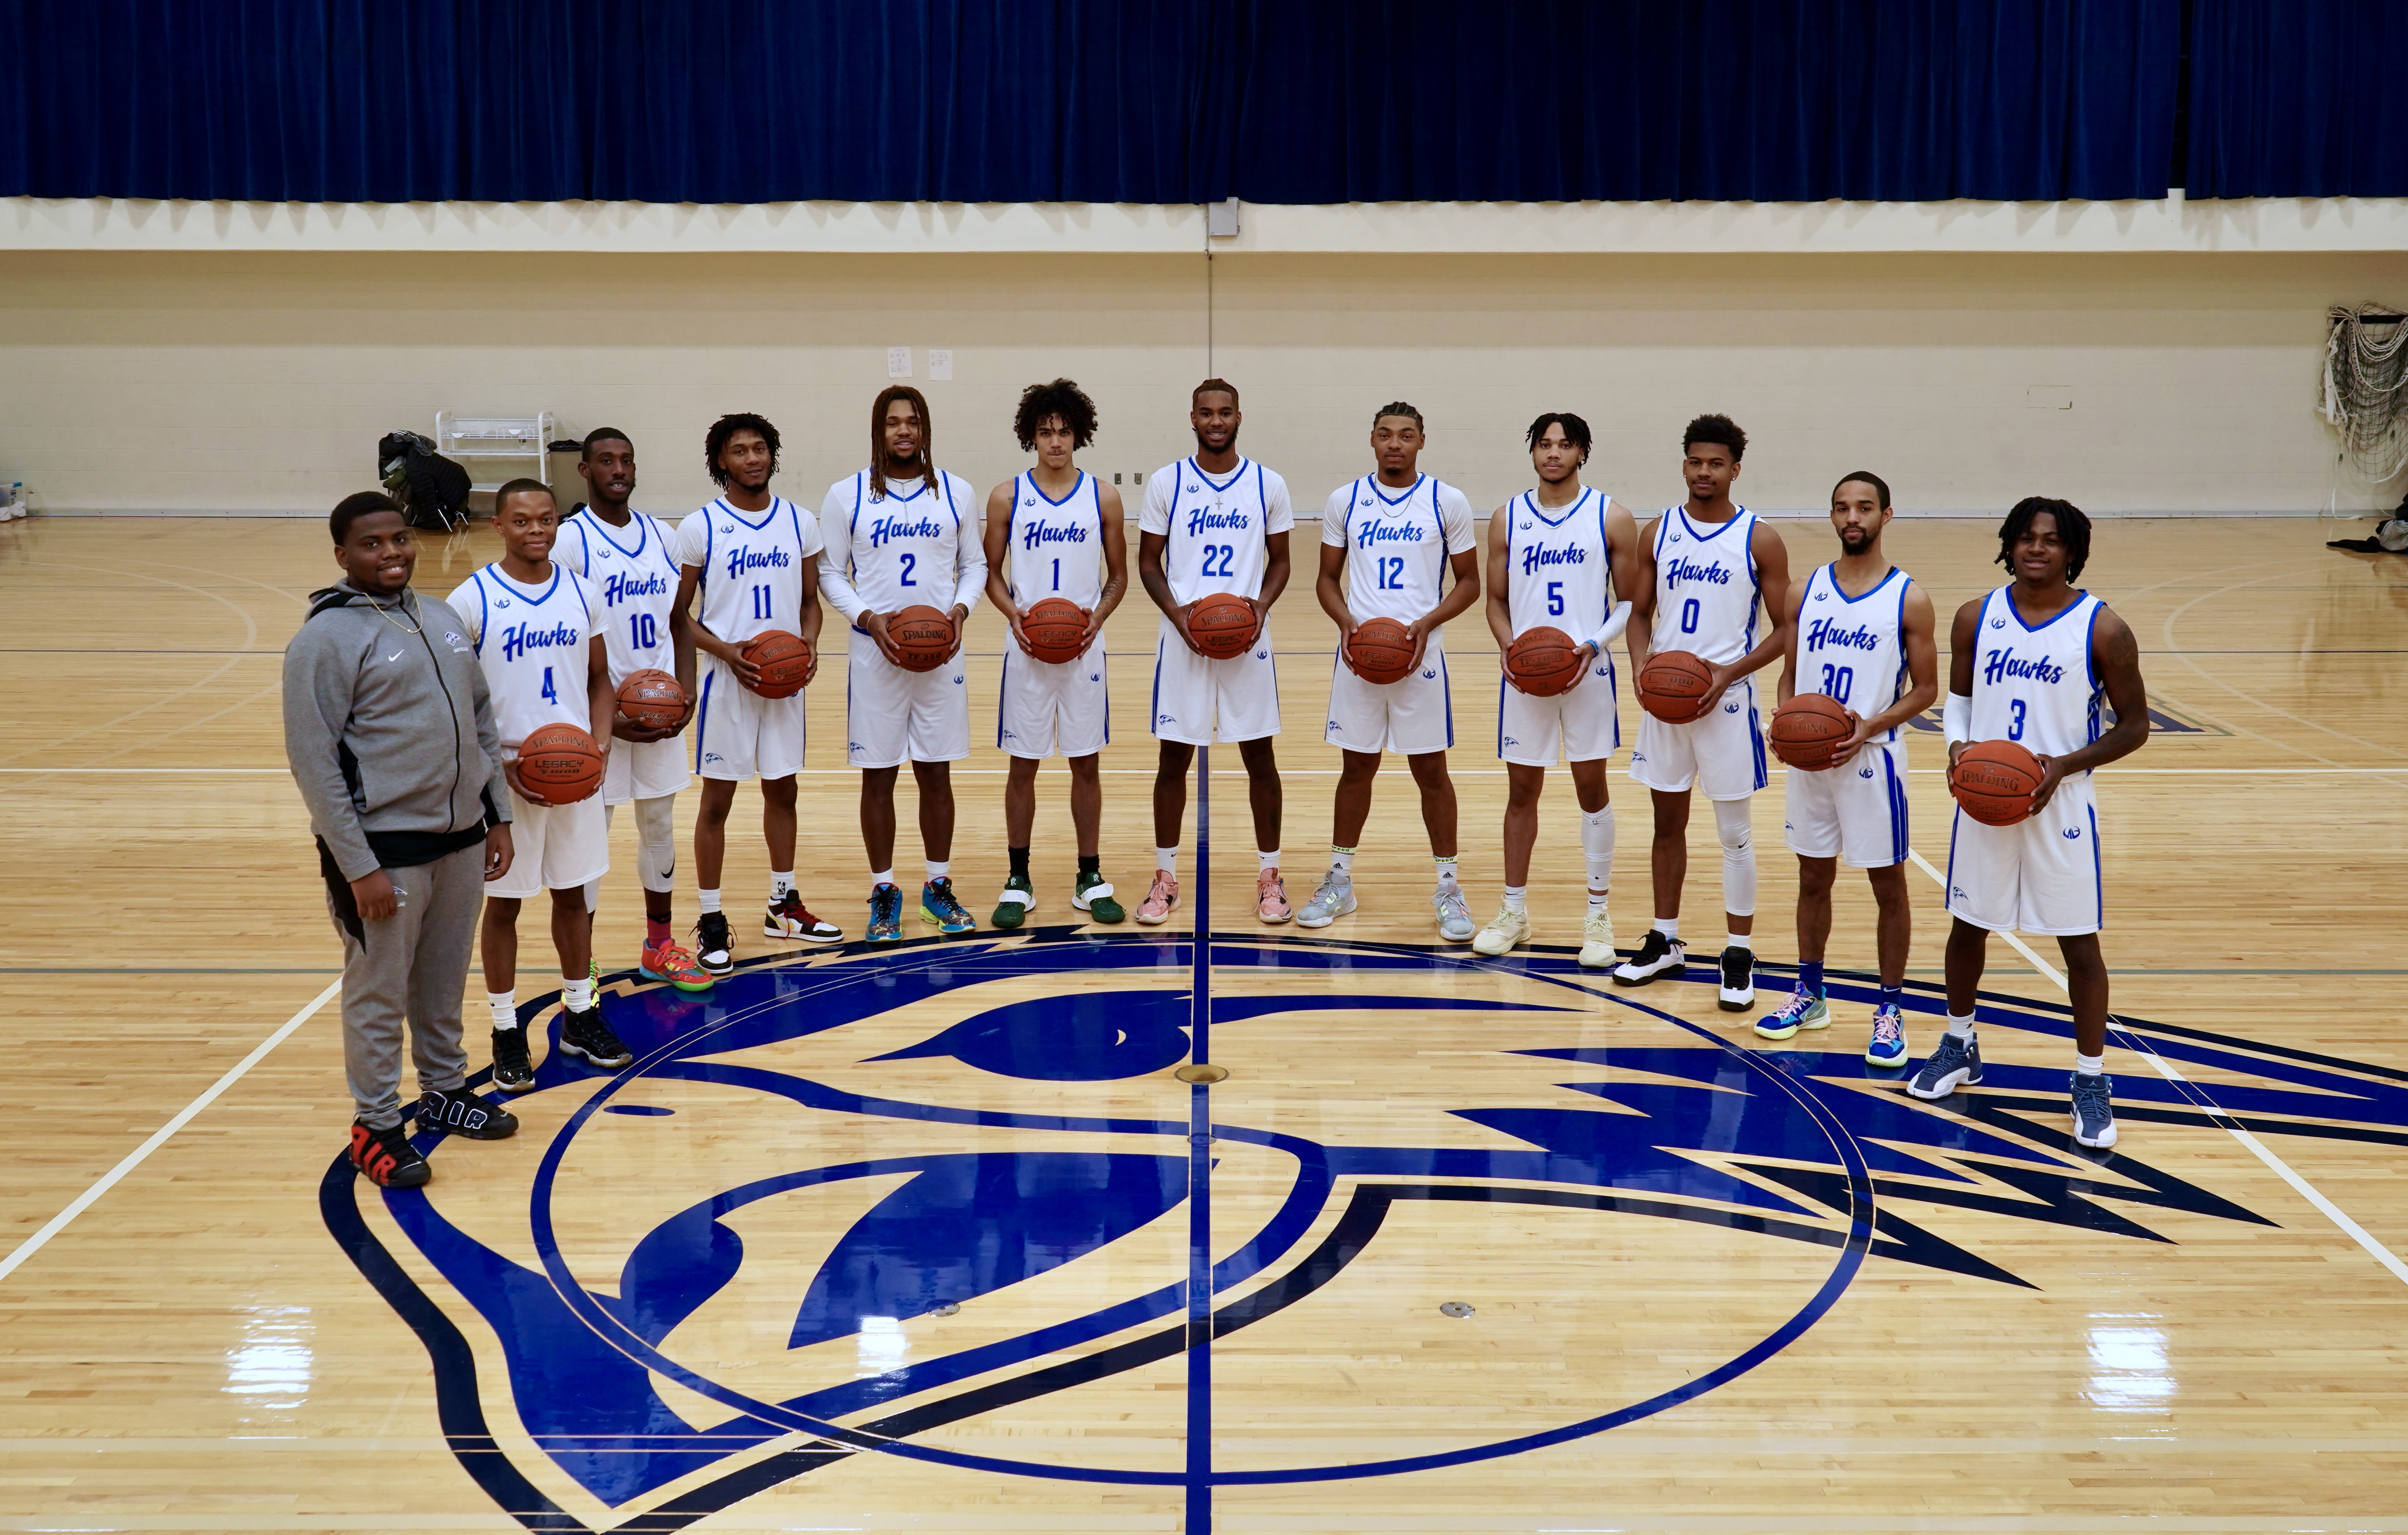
1675, 687
923, 638
1223, 624
784, 660
1054, 627
1380, 651
559, 763
1808, 729
1994, 782
1543, 662
651, 698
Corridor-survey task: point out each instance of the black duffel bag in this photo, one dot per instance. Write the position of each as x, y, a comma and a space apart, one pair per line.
432, 489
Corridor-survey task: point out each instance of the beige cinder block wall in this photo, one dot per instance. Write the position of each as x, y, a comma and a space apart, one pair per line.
235, 382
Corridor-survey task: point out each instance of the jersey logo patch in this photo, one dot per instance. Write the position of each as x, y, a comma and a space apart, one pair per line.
1997, 623
2074, 833
1730, 708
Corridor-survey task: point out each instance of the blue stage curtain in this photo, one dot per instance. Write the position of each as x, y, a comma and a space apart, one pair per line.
2297, 99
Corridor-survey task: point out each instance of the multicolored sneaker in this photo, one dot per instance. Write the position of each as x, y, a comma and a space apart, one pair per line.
668, 960
1888, 1047
1019, 898
2094, 1109
1094, 896
714, 947
386, 1159
886, 915
1157, 906
1332, 899
788, 918
1803, 1010
938, 905
1957, 1063
1271, 898
1506, 930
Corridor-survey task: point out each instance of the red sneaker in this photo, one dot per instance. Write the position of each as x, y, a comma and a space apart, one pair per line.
669, 961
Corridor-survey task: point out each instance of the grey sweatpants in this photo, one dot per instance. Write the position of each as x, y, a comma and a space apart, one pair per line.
412, 965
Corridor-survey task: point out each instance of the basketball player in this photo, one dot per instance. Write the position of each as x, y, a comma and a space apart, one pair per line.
536, 629
748, 556
1701, 568
1558, 558
2030, 664
1411, 530
1214, 521
903, 533
1860, 633
1059, 530
625, 556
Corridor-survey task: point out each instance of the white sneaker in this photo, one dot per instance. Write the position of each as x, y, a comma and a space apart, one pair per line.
1508, 928
1453, 914
1597, 942
1331, 899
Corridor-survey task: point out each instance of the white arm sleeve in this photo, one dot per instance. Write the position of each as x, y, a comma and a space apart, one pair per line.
1615, 622
1956, 718
972, 584
836, 585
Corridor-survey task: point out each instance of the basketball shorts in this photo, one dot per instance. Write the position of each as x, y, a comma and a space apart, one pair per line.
1051, 707
554, 848
738, 735
1578, 723
1721, 755
891, 715
1413, 715
2038, 877
1857, 812
644, 770
1198, 699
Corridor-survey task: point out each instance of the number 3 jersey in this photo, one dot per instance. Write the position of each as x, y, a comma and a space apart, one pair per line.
1854, 649
1214, 530
2034, 684
534, 643
635, 572
1705, 587
751, 566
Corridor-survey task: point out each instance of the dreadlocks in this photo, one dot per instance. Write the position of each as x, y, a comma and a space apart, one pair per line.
887, 397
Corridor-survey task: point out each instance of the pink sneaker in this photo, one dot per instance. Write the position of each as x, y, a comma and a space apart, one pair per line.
1271, 897
1159, 899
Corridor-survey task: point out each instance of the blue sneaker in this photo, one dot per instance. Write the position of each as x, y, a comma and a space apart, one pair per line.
1804, 1010
1888, 1047
1957, 1064
2094, 1113
886, 915
938, 905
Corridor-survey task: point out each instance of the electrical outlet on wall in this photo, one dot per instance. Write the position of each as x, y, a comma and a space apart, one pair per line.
898, 361
940, 364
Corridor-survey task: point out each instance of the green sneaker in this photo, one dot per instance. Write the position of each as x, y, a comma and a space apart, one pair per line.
1018, 899
1095, 898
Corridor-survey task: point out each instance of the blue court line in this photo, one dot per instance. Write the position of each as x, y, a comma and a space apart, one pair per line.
1199, 1170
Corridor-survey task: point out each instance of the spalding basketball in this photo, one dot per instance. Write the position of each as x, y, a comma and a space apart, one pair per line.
1054, 627
651, 698
1223, 624
1676, 686
559, 763
784, 661
1543, 662
1994, 782
923, 638
1380, 651
1808, 730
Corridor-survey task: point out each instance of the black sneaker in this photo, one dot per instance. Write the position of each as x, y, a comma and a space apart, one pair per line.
513, 1071
585, 1034
714, 949
459, 1112
1739, 980
1658, 957
386, 1159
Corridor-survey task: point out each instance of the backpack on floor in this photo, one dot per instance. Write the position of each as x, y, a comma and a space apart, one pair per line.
432, 489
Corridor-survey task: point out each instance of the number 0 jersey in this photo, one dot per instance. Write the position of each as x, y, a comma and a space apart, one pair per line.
534, 643
1706, 586
751, 566
2036, 686
1214, 530
635, 572
1854, 649
1055, 548
1559, 568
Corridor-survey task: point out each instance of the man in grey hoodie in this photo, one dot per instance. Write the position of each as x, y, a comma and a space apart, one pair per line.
391, 738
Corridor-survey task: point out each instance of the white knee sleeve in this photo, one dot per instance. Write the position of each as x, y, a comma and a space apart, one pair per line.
656, 843
1597, 846
1732, 830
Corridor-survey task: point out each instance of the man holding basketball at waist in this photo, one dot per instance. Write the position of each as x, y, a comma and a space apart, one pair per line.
1558, 558
2030, 664
1059, 532
1701, 568
1394, 537
1214, 523
903, 533
1859, 636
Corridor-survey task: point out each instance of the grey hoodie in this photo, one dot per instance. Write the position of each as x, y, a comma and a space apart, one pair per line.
390, 735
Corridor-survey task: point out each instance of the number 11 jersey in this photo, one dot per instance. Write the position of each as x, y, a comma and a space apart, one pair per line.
751, 566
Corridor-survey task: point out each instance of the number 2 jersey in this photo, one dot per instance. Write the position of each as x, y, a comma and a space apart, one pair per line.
917, 545
634, 570
1854, 649
2034, 684
1214, 530
534, 644
751, 566
1706, 586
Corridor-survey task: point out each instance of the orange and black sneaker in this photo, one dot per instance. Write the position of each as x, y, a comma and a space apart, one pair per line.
386, 1159
669, 961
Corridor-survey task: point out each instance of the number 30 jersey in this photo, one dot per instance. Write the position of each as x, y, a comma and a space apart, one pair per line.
2035, 686
1706, 587
1854, 649
751, 566
634, 572
1214, 530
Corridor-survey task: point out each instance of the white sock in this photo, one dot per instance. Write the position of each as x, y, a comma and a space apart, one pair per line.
1265, 862
709, 899
780, 885
506, 1009
1740, 939
939, 870
1962, 1027
1341, 861
1597, 900
1597, 846
1445, 873
577, 994
882, 876
2090, 1065
1166, 860
1669, 927
1516, 898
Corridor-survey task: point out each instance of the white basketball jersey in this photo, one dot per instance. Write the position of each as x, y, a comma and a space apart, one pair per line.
1396, 545
903, 549
634, 572
1854, 649
751, 566
532, 642
1214, 530
1056, 548
1705, 586
2036, 687
1560, 569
